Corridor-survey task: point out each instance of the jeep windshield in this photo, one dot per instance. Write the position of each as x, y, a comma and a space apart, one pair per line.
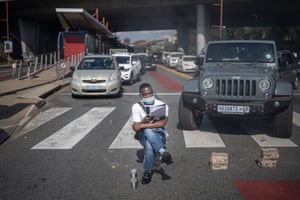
240, 52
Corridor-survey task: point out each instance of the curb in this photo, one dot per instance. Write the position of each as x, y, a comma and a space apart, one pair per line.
33, 109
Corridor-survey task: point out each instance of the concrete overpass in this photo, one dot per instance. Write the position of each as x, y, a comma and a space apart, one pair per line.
191, 18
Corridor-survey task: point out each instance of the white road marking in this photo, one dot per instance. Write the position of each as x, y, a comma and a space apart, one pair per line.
44, 117
296, 119
125, 138
264, 140
72, 133
207, 137
262, 137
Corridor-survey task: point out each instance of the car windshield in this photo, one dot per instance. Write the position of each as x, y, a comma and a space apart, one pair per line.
241, 52
101, 63
123, 59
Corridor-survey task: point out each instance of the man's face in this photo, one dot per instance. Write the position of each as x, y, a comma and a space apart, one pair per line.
147, 92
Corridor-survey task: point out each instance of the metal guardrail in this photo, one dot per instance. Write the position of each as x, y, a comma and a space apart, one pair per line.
26, 69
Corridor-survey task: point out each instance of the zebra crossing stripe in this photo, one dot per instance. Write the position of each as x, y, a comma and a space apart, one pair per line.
202, 139
44, 117
125, 138
72, 133
264, 140
296, 119
207, 137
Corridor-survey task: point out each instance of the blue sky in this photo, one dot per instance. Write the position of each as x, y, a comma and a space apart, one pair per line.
145, 35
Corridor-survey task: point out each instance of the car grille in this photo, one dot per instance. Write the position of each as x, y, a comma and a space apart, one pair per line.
236, 87
94, 91
93, 81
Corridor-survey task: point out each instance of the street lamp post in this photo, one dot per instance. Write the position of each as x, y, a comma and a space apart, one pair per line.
220, 26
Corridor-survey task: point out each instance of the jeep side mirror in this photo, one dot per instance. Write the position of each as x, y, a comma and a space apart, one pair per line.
199, 61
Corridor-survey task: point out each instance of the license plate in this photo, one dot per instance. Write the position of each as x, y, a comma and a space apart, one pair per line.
233, 109
92, 87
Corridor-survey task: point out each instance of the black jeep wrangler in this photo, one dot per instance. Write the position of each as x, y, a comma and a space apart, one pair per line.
238, 78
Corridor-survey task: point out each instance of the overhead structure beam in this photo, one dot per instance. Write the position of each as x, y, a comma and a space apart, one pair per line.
80, 19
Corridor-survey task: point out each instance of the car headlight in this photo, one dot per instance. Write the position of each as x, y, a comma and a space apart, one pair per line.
264, 84
114, 76
207, 83
75, 77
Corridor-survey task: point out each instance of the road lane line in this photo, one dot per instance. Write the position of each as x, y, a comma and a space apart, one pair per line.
72, 133
125, 138
44, 117
206, 137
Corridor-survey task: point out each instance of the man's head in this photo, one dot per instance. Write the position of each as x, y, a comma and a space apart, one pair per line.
146, 93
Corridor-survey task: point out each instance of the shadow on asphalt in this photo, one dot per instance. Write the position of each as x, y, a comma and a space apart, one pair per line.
8, 111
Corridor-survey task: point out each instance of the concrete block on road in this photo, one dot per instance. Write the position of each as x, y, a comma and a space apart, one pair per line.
218, 161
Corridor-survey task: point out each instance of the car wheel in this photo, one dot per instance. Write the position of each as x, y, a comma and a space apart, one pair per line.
283, 122
74, 96
296, 83
188, 120
131, 80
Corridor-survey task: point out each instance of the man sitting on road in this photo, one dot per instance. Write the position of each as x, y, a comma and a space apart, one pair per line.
150, 130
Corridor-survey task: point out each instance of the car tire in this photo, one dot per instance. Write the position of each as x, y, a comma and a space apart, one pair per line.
283, 122
74, 96
188, 120
131, 80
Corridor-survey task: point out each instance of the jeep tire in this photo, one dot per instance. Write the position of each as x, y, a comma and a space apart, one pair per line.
188, 119
282, 122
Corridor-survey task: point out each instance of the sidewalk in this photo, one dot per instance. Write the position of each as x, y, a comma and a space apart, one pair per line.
21, 99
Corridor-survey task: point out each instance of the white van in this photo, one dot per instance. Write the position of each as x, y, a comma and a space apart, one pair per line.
130, 67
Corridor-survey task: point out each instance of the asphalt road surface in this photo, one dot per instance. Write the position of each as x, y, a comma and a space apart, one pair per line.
83, 148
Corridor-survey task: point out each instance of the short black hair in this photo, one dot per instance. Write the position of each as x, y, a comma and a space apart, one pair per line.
144, 85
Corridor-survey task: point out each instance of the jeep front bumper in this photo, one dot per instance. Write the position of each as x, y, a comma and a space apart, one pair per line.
197, 102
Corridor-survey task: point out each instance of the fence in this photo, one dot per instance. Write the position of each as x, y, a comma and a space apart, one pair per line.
22, 69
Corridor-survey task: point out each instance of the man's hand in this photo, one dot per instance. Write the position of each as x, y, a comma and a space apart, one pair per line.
139, 125
147, 119
147, 123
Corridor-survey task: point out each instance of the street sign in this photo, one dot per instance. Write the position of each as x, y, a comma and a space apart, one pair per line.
8, 47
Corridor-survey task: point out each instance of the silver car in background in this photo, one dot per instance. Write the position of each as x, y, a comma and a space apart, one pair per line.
96, 75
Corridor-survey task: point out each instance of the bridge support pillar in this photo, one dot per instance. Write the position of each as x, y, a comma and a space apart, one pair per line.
191, 33
200, 28
29, 34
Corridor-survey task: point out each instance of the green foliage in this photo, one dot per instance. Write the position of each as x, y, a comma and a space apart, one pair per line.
285, 37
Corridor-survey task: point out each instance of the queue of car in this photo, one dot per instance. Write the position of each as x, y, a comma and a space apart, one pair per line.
99, 75
289, 67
